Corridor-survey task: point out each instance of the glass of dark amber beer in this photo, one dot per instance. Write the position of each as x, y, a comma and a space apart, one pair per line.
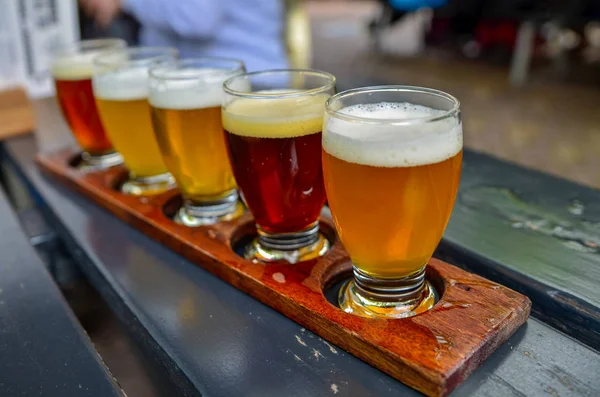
71, 68
272, 122
185, 100
392, 157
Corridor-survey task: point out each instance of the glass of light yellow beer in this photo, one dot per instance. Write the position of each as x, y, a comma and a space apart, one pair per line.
71, 68
185, 99
120, 84
392, 158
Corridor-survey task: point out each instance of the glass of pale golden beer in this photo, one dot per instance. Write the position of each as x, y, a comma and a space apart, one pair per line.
120, 84
272, 122
71, 68
185, 100
392, 157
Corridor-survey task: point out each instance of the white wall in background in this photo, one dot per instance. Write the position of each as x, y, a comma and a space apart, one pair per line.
29, 31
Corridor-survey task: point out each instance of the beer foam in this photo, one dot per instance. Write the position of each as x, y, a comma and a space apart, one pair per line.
203, 90
275, 117
73, 66
122, 85
407, 140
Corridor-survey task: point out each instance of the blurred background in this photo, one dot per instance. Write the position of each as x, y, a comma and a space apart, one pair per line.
527, 72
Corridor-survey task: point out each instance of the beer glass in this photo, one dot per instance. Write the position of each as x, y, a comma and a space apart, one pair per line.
71, 68
392, 157
120, 84
185, 100
273, 123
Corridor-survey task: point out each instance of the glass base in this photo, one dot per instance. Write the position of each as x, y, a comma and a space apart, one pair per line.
288, 247
90, 162
366, 296
194, 214
148, 186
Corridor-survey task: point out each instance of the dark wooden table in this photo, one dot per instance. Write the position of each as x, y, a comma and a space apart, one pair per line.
207, 338
535, 233
44, 350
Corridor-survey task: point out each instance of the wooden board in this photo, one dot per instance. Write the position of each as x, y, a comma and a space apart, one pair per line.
208, 338
433, 352
16, 113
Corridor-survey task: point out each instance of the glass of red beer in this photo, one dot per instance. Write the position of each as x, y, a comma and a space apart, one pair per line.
272, 122
71, 69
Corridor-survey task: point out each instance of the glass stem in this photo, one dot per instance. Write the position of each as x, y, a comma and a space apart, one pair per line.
294, 247
403, 290
289, 241
213, 209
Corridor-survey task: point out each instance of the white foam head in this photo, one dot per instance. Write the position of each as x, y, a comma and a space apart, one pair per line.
122, 84
392, 134
74, 61
286, 117
190, 89
73, 66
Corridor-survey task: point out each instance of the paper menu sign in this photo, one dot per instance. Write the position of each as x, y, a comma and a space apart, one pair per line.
30, 30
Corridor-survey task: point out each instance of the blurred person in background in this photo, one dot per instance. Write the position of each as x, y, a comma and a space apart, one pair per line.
249, 30
401, 25
394, 10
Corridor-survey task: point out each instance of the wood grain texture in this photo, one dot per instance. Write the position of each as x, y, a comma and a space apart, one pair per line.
433, 352
535, 233
16, 113
147, 284
225, 343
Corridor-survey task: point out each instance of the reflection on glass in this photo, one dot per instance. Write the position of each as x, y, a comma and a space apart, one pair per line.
391, 158
273, 123
71, 68
120, 84
185, 98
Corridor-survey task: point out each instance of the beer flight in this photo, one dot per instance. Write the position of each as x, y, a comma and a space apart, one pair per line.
387, 159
